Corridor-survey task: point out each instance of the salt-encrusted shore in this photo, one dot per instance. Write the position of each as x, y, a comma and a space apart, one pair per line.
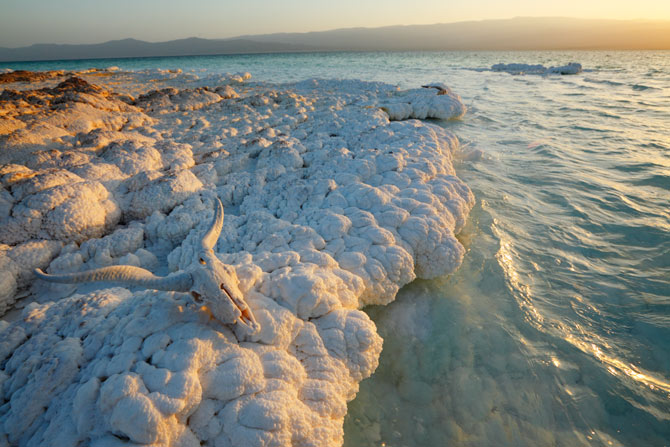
329, 206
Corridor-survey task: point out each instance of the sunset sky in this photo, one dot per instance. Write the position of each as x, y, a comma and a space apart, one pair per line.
24, 22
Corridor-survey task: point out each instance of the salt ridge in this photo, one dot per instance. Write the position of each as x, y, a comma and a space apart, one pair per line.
330, 206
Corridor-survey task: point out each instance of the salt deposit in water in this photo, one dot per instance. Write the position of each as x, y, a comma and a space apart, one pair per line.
516, 68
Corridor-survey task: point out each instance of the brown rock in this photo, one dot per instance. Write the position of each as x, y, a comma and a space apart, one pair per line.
28, 76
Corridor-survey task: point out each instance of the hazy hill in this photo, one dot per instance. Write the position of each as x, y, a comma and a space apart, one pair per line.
510, 34
139, 48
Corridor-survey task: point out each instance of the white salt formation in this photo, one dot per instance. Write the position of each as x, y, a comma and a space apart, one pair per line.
424, 103
329, 206
569, 69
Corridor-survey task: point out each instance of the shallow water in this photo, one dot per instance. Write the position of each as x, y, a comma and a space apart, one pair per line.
556, 329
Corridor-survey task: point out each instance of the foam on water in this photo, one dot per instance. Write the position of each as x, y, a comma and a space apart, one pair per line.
555, 330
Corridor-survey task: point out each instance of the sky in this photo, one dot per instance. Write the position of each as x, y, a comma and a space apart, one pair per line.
25, 22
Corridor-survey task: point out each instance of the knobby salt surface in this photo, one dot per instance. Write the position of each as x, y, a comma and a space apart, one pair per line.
330, 206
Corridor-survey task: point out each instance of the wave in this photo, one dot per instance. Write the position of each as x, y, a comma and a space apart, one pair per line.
636, 87
642, 87
659, 181
603, 81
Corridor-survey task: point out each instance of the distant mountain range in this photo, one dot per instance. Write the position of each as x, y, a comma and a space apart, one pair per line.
138, 48
509, 34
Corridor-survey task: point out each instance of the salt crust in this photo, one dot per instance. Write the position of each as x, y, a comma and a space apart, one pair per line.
329, 207
515, 68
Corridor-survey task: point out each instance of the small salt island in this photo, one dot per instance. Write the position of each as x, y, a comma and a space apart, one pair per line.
335, 195
571, 68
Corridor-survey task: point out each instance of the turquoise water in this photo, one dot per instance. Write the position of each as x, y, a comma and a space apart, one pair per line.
556, 330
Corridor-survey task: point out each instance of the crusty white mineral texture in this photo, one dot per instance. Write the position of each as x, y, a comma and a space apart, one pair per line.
329, 206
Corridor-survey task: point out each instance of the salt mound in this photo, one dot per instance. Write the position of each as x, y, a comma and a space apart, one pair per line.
329, 205
571, 68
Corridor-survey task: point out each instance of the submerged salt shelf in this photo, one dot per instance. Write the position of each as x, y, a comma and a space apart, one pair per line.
329, 206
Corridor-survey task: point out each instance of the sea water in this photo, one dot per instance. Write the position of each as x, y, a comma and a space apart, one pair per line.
556, 329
